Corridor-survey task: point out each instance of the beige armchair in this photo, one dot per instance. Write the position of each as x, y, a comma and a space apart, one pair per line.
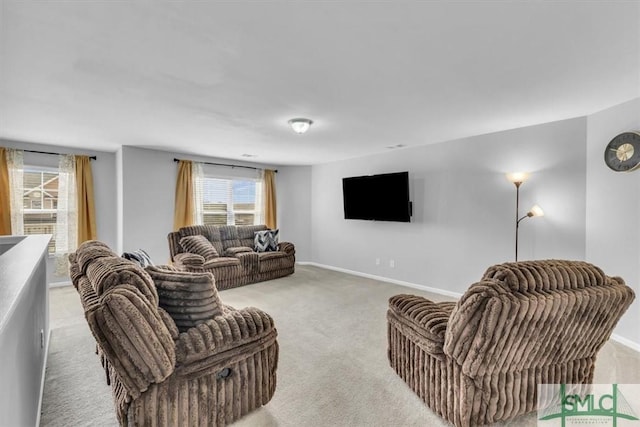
222, 366
479, 361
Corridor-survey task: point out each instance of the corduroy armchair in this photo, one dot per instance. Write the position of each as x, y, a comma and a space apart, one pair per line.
479, 361
221, 367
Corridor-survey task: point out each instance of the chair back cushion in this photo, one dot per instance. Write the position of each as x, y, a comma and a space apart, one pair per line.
121, 308
189, 298
534, 314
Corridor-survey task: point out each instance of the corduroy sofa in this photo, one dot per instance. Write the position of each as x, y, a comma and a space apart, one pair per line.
236, 262
210, 374
479, 361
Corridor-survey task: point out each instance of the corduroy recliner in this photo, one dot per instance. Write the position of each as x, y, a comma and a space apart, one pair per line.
221, 367
479, 361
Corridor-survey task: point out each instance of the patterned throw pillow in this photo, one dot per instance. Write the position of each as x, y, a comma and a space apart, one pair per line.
199, 245
189, 298
140, 257
266, 240
261, 241
274, 239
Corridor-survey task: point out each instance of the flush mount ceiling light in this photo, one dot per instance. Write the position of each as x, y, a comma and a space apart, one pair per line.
300, 125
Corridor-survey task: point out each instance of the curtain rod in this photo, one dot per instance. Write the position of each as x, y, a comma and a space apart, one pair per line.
225, 164
54, 154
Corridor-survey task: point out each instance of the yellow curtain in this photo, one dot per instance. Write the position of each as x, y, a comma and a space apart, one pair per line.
5, 195
270, 198
84, 194
184, 211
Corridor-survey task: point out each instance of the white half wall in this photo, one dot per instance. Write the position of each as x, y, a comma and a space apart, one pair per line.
613, 209
464, 207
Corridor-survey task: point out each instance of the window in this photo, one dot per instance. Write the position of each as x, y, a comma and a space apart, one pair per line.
40, 202
231, 201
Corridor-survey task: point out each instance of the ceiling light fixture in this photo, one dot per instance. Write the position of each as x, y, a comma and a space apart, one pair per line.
300, 125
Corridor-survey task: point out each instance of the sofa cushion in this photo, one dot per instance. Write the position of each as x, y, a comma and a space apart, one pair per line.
246, 234
229, 236
237, 250
189, 298
221, 262
199, 245
210, 232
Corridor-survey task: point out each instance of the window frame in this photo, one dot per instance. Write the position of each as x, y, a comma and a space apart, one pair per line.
231, 213
31, 168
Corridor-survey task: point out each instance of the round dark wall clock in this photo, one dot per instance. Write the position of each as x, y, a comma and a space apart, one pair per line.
623, 152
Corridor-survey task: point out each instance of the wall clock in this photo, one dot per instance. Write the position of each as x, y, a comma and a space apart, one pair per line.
623, 152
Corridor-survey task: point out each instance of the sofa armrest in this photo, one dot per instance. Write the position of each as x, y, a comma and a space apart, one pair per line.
423, 320
249, 261
221, 338
189, 262
287, 247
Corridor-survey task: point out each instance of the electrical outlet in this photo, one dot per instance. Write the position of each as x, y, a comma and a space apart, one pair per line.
392, 263
377, 261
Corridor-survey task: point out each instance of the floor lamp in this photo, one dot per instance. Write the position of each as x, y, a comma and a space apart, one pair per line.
517, 178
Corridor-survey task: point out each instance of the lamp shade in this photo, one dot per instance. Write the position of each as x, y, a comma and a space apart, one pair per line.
536, 211
300, 125
517, 177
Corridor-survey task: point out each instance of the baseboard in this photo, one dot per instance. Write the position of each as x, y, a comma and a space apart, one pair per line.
626, 342
44, 372
386, 279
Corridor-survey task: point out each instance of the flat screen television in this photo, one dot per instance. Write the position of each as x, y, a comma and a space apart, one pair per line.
382, 197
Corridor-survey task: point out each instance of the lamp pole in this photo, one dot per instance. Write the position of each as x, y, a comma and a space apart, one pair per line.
517, 184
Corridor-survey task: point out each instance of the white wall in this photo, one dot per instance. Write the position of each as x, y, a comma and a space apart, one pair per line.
613, 208
293, 187
464, 207
149, 182
104, 182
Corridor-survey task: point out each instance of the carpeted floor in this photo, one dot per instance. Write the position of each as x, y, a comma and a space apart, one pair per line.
333, 368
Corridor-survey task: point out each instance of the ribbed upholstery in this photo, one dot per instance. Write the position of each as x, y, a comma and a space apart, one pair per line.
199, 244
232, 243
189, 298
209, 375
480, 361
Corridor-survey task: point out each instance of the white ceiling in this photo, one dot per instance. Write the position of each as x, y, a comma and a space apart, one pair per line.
222, 79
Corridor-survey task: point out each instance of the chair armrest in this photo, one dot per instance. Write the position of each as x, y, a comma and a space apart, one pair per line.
189, 262
422, 319
287, 247
219, 338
